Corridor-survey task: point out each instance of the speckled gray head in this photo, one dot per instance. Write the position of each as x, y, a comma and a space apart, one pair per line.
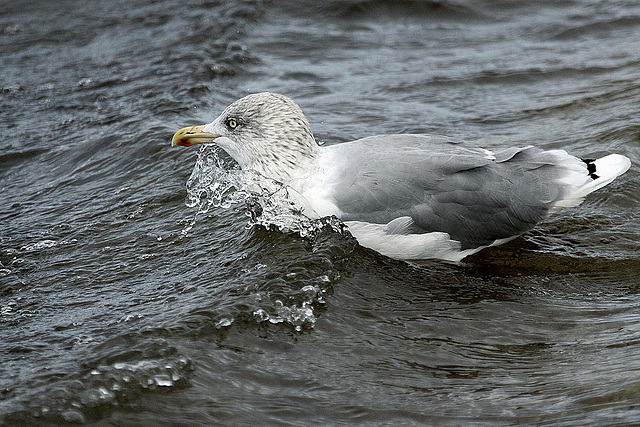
265, 132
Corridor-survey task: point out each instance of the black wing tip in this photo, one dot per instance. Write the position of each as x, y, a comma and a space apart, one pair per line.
591, 168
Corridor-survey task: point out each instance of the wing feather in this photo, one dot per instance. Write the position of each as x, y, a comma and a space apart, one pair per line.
445, 186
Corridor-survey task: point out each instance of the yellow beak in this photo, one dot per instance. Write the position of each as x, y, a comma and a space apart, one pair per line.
192, 135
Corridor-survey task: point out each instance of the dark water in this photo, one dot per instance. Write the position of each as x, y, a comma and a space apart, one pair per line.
119, 305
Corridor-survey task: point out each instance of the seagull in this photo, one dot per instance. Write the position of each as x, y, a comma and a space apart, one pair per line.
407, 196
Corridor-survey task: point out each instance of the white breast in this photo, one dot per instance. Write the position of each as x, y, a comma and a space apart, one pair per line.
314, 186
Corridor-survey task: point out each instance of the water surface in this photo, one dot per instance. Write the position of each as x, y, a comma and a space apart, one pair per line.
120, 304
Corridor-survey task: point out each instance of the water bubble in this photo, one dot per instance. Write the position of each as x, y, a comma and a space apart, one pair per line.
44, 244
95, 397
310, 289
72, 416
224, 322
131, 317
323, 279
260, 315
84, 82
163, 380
12, 29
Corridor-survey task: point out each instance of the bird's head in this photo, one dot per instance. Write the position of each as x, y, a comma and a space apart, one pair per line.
264, 132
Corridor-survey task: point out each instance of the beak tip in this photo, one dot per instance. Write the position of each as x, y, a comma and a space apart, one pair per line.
180, 142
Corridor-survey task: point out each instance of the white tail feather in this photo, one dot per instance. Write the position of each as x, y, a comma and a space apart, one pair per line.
607, 169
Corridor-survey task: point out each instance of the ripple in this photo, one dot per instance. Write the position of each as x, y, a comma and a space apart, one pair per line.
103, 388
358, 9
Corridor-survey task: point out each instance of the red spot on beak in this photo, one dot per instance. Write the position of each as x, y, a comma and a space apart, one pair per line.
184, 143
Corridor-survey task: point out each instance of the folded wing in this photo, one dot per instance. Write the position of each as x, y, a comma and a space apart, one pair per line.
421, 184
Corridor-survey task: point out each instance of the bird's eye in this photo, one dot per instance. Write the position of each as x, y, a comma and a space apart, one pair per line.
231, 123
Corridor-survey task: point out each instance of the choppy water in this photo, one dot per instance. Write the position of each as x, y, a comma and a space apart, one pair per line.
126, 300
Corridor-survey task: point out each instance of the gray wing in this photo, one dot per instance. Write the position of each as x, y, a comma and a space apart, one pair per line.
444, 186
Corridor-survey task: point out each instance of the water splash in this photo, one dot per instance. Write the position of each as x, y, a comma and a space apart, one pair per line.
105, 387
297, 309
214, 182
218, 182
292, 290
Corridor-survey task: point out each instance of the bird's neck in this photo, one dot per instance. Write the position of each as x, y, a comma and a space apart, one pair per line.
288, 166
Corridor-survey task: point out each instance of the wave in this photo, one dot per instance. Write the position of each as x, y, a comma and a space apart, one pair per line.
373, 9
